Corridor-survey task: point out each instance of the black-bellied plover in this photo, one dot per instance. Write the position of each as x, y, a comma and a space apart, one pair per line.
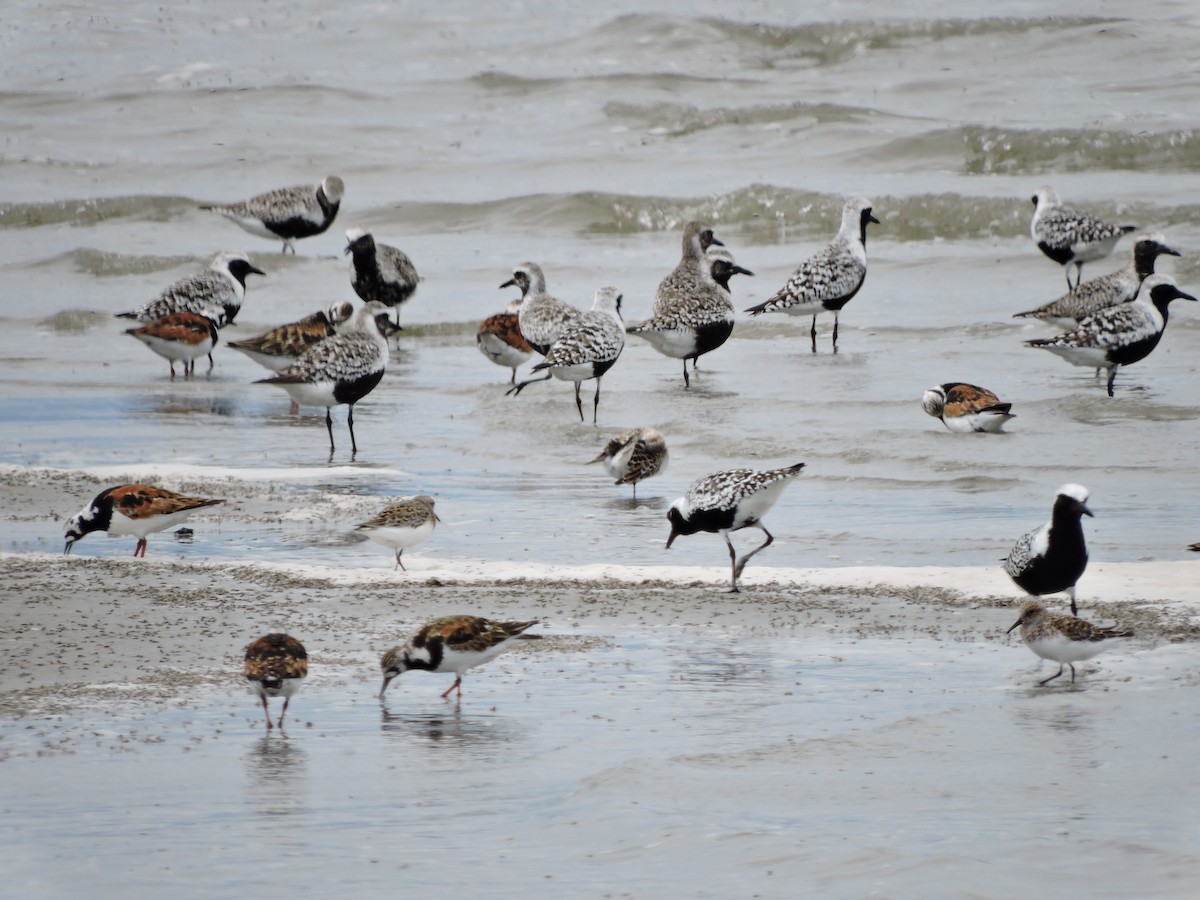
1053, 556
136, 510
379, 271
634, 456
289, 213
1070, 237
222, 284
542, 316
966, 408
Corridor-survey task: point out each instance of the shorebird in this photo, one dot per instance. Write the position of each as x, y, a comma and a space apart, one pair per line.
276, 666
541, 317
222, 284
452, 644
499, 339
1064, 639
288, 213
136, 510
343, 368
1120, 335
1052, 557
722, 266
1068, 236
182, 337
1108, 290
829, 279
729, 501
634, 456
281, 347
587, 349
966, 408
692, 313
404, 523
380, 272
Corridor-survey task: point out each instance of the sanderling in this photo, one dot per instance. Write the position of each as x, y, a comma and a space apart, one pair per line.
729, 501
343, 368
276, 666
1119, 335
500, 339
451, 644
1068, 236
692, 313
1108, 290
587, 349
136, 510
222, 284
1052, 557
281, 347
829, 279
541, 317
182, 336
1064, 639
966, 408
634, 456
380, 272
404, 523
289, 213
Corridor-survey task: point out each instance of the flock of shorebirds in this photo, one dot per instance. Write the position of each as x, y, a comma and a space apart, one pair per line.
336, 356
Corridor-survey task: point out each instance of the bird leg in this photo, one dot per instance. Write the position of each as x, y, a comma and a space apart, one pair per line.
835, 325
596, 402
210, 363
1071, 591
513, 391
286, 701
140, 549
172, 365
741, 564
1112, 376
732, 564
513, 380
1046, 681
457, 684
813, 333
266, 711
399, 565
687, 382
578, 402
329, 428
350, 422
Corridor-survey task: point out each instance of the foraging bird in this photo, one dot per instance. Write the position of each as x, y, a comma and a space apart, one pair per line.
966, 408
542, 317
1068, 236
729, 501
829, 279
380, 272
276, 666
1108, 290
288, 213
1120, 335
499, 339
587, 349
343, 368
404, 523
452, 644
137, 510
1052, 557
222, 284
1064, 639
182, 337
634, 456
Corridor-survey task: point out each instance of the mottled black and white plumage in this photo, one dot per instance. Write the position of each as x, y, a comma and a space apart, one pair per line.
1064, 639
452, 644
282, 346
1052, 557
380, 272
182, 337
829, 279
289, 213
586, 349
966, 408
692, 313
634, 456
729, 501
222, 284
1070, 237
275, 666
542, 317
343, 368
1112, 289
1120, 335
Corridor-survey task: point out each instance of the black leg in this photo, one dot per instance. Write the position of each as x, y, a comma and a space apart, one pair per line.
813, 333
350, 422
399, 564
1055, 675
1112, 376
524, 384
210, 363
329, 428
596, 404
578, 402
687, 382
1074, 609
741, 564
733, 569
835, 326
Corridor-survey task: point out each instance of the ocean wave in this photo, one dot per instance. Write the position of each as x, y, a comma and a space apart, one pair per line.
679, 120
92, 211
995, 151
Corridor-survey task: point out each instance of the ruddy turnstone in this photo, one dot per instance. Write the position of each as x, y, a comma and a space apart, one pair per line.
1120, 335
1068, 236
281, 347
222, 284
966, 408
133, 509
404, 523
829, 279
729, 501
692, 314
634, 456
343, 368
288, 213
380, 272
586, 349
1108, 290
1064, 639
500, 339
1052, 557
276, 666
182, 337
542, 317
452, 644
